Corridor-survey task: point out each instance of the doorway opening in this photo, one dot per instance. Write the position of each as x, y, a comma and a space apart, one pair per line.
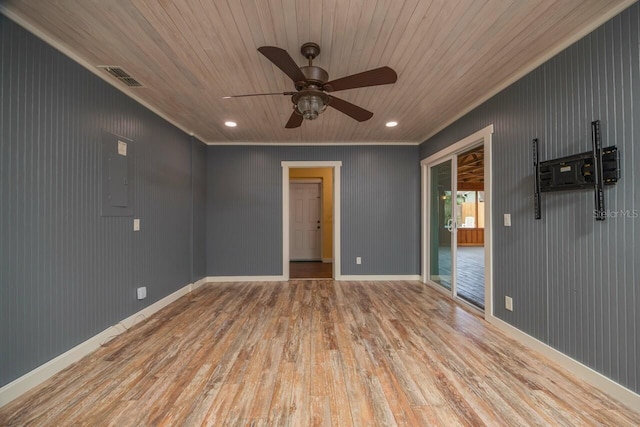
469, 211
456, 220
310, 223
311, 220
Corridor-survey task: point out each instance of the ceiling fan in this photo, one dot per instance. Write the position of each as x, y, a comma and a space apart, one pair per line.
312, 84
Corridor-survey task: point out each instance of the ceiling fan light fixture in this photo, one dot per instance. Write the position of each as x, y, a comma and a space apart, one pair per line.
391, 124
312, 84
230, 124
310, 106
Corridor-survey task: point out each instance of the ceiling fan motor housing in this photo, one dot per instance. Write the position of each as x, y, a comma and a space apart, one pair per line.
316, 76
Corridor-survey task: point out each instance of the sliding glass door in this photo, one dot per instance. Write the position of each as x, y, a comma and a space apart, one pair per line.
442, 223
455, 224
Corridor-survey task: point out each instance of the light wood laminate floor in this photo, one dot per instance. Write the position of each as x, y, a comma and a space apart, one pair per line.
314, 353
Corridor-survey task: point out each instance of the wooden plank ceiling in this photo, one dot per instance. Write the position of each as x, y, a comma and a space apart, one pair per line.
449, 55
471, 169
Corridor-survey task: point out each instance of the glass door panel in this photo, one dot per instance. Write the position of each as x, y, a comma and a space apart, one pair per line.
441, 224
469, 277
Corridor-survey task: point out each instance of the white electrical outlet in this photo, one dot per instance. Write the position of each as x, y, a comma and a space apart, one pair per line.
142, 292
358, 260
508, 303
507, 220
136, 224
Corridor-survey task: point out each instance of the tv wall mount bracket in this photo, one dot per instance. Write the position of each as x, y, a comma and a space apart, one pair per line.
589, 170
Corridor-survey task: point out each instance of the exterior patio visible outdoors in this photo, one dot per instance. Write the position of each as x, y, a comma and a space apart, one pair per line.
469, 272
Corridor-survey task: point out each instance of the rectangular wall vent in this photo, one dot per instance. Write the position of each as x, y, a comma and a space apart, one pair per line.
121, 75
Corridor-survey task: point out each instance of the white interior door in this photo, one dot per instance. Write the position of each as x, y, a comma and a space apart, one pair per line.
305, 225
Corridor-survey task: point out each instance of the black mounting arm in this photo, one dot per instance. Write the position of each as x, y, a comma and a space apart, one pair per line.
589, 170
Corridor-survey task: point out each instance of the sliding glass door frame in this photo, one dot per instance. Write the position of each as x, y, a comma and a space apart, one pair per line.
482, 137
451, 225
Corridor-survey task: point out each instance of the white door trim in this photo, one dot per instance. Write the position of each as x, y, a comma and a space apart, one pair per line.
483, 136
335, 165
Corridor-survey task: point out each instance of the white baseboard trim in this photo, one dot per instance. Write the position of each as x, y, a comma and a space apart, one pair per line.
375, 278
199, 283
327, 260
43, 372
245, 279
596, 379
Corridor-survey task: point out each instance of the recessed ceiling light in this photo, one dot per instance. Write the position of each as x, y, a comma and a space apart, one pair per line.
230, 124
391, 124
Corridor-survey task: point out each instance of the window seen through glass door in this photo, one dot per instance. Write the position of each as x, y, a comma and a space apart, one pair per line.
470, 209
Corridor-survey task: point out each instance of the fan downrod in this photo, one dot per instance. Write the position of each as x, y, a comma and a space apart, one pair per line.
315, 75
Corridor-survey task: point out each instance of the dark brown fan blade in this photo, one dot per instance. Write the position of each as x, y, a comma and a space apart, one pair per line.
258, 94
375, 77
294, 121
284, 61
351, 110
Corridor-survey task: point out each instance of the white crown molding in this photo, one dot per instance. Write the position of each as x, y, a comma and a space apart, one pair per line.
65, 50
311, 164
562, 45
315, 143
55, 43
483, 134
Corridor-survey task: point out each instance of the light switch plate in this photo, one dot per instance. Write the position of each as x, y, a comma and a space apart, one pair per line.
508, 303
141, 292
507, 220
358, 260
136, 224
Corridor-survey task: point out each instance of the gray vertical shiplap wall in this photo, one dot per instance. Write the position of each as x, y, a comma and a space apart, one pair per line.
199, 221
66, 273
575, 281
380, 200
